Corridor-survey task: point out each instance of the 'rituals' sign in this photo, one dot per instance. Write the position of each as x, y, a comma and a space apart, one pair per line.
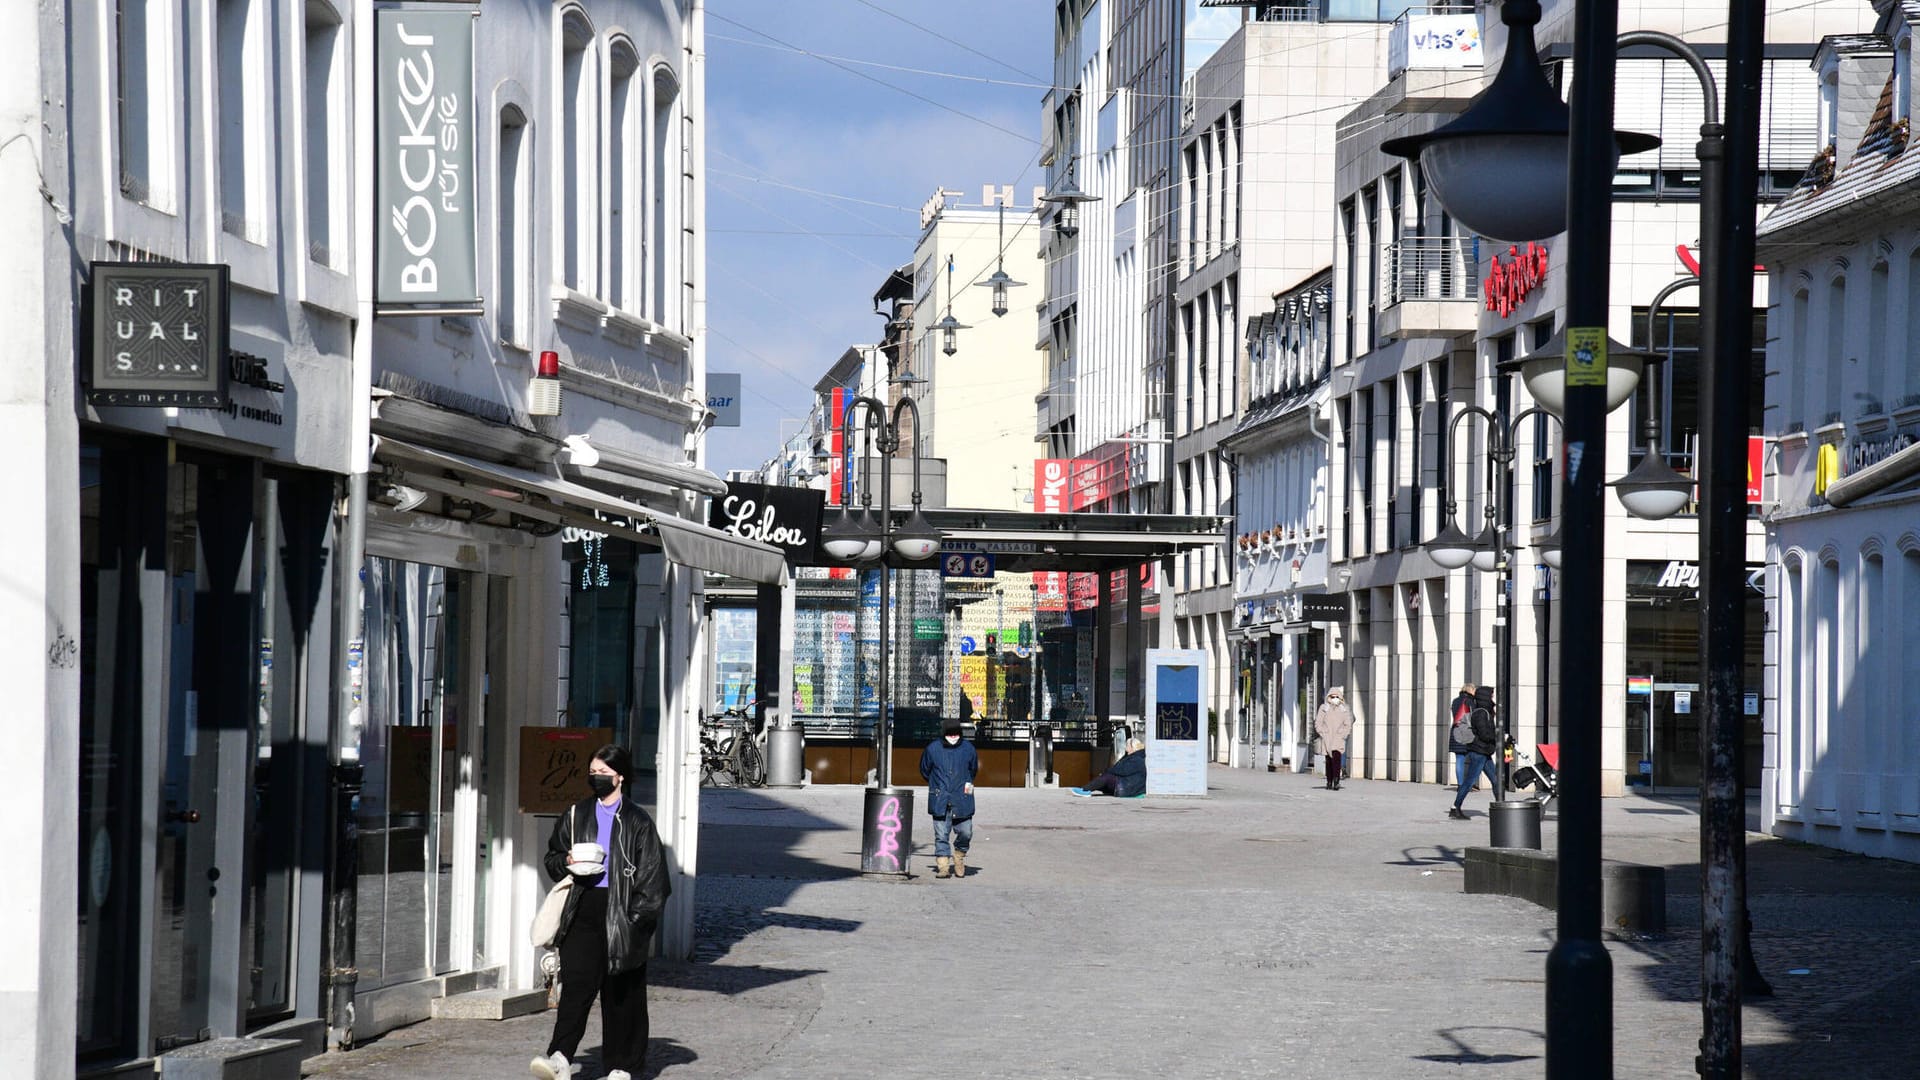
159, 333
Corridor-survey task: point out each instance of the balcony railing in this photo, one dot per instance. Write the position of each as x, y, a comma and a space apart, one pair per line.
1428, 269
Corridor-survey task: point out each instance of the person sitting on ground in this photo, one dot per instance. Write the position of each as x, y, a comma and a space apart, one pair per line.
1123, 779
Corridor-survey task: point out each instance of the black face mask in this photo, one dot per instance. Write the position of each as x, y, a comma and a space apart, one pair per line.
602, 785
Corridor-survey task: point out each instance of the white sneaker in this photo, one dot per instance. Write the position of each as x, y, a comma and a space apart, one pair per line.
553, 1067
619, 1074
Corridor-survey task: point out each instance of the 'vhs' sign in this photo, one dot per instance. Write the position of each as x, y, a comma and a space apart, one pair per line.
158, 333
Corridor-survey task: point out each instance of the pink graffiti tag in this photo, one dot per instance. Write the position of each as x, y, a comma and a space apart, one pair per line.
889, 822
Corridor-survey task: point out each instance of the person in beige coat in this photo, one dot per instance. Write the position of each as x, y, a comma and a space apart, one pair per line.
1333, 723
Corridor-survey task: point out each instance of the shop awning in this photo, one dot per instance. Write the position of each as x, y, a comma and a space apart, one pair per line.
553, 499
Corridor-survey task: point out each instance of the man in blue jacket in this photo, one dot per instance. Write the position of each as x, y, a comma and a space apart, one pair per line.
949, 767
1125, 778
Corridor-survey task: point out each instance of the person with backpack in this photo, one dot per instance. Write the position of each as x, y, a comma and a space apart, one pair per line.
1475, 741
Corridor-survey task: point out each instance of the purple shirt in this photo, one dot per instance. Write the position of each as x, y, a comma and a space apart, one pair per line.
603, 821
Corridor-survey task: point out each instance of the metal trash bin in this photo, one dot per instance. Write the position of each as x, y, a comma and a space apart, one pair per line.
786, 751
1040, 756
1515, 823
886, 832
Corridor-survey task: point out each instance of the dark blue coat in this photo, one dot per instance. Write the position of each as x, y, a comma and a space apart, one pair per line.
1131, 771
948, 770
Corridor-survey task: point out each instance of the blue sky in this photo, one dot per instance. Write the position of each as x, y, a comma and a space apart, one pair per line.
817, 166
791, 273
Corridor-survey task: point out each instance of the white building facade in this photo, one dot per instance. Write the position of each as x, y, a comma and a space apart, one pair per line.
1255, 193
1841, 762
312, 630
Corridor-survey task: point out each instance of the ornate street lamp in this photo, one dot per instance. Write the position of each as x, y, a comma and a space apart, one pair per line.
1544, 371
1500, 167
1068, 198
1493, 169
999, 282
867, 537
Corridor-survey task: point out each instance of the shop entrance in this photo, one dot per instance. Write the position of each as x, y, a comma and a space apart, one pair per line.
423, 816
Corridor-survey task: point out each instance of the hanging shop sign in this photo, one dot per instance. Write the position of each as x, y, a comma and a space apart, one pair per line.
158, 334
786, 517
1510, 281
1322, 607
723, 397
424, 248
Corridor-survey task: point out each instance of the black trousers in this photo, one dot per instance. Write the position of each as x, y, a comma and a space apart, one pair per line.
1106, 783
1335, 759
584, 976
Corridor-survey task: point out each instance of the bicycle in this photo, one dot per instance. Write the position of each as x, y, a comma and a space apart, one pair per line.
729, 755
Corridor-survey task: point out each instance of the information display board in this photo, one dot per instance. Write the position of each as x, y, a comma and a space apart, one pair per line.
1176, 734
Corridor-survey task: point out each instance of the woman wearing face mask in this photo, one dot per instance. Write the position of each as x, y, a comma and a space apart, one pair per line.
949, 767
620, 885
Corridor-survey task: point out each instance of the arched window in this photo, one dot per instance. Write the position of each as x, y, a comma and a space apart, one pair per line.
146, 41
1834, 359
1791, 730
242, 138
1912, 382
626, 135
579, 153
324, 57
1878, 313
664, 213
513, 246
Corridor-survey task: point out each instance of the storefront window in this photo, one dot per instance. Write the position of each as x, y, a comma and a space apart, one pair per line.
600, 618
121, 515
1664, 690
734, 679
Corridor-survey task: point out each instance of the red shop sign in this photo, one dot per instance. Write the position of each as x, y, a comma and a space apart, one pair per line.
1509, 283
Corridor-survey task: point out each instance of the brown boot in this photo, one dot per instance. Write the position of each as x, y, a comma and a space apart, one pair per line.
959, 864
940, 865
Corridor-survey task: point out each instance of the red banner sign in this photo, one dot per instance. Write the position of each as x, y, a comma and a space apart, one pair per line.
1756, 466
1509, 283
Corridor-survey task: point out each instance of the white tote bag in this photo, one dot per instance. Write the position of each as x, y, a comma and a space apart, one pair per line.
546, 921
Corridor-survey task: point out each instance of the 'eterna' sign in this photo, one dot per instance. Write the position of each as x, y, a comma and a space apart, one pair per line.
785, 517
158, 333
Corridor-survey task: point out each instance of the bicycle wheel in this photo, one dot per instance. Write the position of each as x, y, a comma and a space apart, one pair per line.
726, 769
751, 765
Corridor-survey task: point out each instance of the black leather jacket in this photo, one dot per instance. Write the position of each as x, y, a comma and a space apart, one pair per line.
637, 884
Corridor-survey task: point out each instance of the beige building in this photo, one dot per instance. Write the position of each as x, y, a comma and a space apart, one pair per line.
973, 403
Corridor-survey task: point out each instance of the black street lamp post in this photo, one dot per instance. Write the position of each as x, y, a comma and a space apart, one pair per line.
1579, 972
886, 833
1520, 111
1492, 549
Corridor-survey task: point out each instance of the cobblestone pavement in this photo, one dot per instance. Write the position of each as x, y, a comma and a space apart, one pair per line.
1273, 928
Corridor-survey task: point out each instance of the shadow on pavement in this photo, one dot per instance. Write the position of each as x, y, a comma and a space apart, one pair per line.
1465, 1054
752, 861
1442, 856
1837, 935
722, 978
664, 1054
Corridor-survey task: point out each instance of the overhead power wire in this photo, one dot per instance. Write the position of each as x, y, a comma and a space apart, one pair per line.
959, 44
880, 82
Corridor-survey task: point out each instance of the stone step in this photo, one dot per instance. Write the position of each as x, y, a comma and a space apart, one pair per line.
234, 1059
495, 1004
